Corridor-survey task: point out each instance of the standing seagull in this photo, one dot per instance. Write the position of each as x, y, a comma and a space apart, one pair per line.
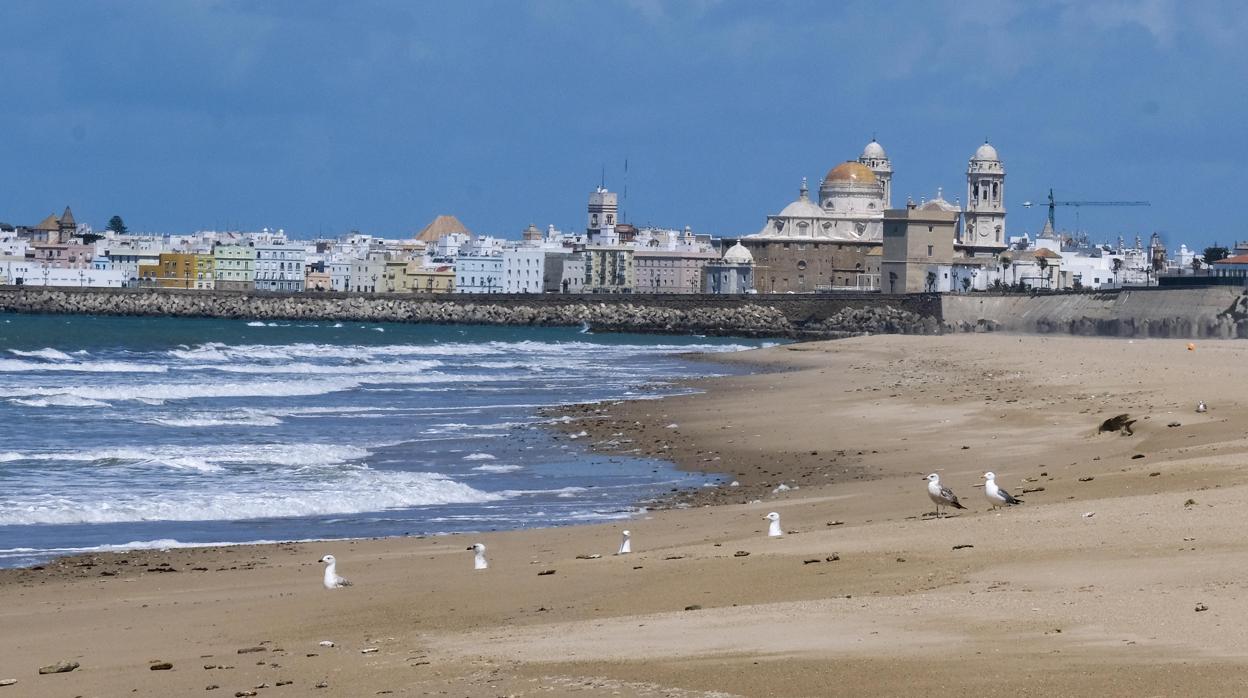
332, 580
997, 496
774, 529
1200, 407
479, 562
940, 494
626, 545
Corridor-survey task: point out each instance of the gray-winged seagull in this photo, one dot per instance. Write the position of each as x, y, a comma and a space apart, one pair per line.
997, 496
479, 562
941, 495
332, 580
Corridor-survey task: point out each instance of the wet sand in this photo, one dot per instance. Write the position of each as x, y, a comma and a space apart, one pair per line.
1092, 587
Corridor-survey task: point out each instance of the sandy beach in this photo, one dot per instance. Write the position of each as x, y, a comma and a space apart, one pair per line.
1120, 575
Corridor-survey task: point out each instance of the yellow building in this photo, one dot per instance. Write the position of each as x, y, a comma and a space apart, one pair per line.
205, 271
426, 280
176, 270
396, 277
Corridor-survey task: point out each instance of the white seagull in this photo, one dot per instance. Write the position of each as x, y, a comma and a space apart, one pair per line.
774, 529
479, 562
332, 580
997, 496
1200, 407
941, 495
626, 544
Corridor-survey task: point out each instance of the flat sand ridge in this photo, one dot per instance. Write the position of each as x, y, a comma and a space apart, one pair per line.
1045, 601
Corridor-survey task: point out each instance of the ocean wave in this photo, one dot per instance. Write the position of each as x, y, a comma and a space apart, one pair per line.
204, 458
15, 366
304, 367
242, 418
222, 353
46, 353
489, 468
353, 492
190, 391
60, 401
478, 456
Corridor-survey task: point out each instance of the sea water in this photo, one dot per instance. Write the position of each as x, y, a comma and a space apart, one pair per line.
161, 432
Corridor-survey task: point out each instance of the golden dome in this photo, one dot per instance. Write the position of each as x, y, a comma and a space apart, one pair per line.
851, 172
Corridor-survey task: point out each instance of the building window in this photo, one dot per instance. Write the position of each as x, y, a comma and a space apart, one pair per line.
929, 250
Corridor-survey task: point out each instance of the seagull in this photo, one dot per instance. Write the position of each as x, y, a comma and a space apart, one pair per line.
332, 580
940, 494
626, 545
774, 529
479, 563
997, 496
1200, 407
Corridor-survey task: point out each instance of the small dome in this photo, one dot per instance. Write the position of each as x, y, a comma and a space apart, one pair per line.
985, 152
874, 151
850, 173
802, 208
737, 254
938, 204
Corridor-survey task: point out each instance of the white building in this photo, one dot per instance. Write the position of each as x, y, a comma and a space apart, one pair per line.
19, 271
279, 266
523, 269
479, 273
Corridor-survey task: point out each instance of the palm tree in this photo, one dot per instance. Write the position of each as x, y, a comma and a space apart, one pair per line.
1117, 266
1043, 263
1006, 262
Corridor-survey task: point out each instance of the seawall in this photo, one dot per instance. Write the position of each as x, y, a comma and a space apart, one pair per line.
796, 316
1218, 312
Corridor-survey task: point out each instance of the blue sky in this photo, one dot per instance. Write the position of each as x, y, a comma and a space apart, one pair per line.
320, 117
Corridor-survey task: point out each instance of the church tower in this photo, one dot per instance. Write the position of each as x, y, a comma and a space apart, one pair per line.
874, 157
984, 231
603, 206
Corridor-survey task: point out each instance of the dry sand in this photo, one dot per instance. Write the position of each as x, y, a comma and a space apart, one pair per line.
1046, 600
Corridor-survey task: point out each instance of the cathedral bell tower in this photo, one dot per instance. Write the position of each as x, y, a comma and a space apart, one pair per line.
984, 231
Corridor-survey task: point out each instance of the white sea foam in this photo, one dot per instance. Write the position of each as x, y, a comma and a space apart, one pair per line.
246, 418
255, 323
15, 366
189, 391
478, 456
206, 458
47, 353
220, 352
352, 491
302, 367
499, 468
60, 401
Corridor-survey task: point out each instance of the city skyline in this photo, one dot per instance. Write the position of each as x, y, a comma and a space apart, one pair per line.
320, 119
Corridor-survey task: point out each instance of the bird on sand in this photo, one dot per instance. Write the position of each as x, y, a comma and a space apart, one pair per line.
1200, 407
332, 580
941, 495
997, 496
774, 529
626, 544
479, 562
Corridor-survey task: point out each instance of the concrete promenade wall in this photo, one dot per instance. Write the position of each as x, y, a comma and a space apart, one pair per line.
1219, 311
798, 316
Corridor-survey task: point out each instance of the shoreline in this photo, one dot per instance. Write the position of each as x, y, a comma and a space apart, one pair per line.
867, 596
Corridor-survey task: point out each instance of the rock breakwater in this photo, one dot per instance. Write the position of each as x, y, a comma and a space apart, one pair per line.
761, 316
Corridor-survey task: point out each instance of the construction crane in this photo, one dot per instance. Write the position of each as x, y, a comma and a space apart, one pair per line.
1053, 204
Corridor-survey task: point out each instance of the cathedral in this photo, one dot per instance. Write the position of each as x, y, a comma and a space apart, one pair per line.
835, 243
